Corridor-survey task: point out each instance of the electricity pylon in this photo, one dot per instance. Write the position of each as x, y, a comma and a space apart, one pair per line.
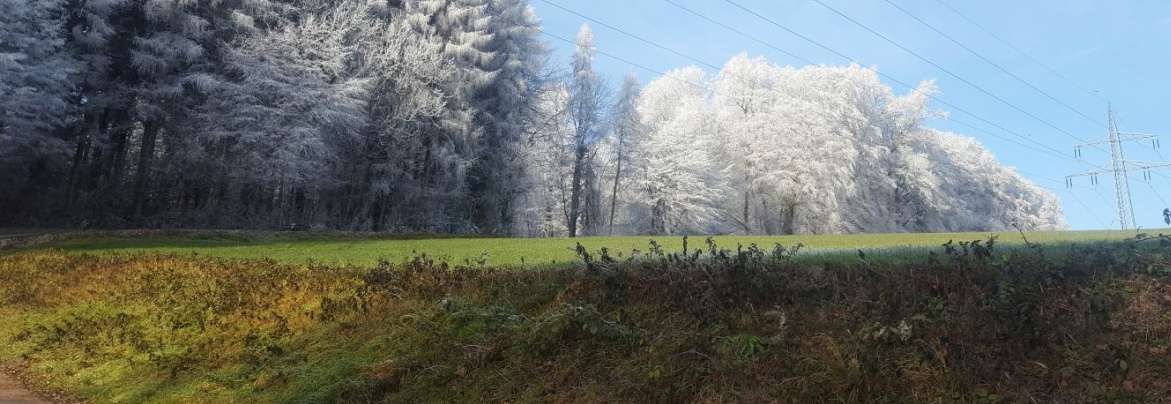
1119, 168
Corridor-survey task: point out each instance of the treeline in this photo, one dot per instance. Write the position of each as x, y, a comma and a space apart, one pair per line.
267, 113
446, 116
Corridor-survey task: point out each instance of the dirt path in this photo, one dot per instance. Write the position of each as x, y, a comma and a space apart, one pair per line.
12, 392
17, 237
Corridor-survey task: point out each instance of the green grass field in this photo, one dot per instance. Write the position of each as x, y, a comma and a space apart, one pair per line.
338, 249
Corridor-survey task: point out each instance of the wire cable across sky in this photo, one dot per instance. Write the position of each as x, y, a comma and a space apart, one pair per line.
1010, 45
950, 105
1035, 145
639, 38
945, 70
994, 64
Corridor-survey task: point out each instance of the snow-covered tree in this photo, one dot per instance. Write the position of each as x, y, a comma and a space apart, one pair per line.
506, 111
626, 135
543, 208
37, 94
679, 185
821, 150
36, 90
297, 96
587, 98
497, 66
968, 190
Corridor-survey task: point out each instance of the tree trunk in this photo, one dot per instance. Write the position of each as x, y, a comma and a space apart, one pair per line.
80, 154
591, 212
769, 229
614, 191
575, 190
789, 220
146, 156
659, 218
746, 218
120, 130
97, 158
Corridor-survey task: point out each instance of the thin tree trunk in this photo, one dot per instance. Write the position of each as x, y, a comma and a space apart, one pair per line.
746, 217
120, 131
97, 158
146, 156
768, 222
659, 218
614, 192
787, 223
575, 192
80, 154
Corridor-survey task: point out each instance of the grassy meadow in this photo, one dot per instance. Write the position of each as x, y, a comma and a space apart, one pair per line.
368, 250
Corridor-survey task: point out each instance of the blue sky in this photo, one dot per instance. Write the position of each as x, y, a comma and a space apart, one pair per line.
1118, 49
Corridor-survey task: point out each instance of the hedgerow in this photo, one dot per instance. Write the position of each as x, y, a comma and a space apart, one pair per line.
971, 322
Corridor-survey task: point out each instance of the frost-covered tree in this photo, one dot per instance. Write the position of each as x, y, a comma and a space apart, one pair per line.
36, 87
626, 139
341, 114
496, 72
746, 93
176, 58
587, 95
548, 155
968, 190
147, 64
295, 97
779, 149
419, 159
100, 36
505, 112
37, 95
823, 150
679, 184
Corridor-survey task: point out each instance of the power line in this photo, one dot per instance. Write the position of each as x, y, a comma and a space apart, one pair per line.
1157, 194
1105, 200
1038, 176
1047, 149
943, 69
799, 35
627, 61
883, 75
994, 64
1086, 207
624, 32
657, 72
1097, 218
1018, 50
739, 32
